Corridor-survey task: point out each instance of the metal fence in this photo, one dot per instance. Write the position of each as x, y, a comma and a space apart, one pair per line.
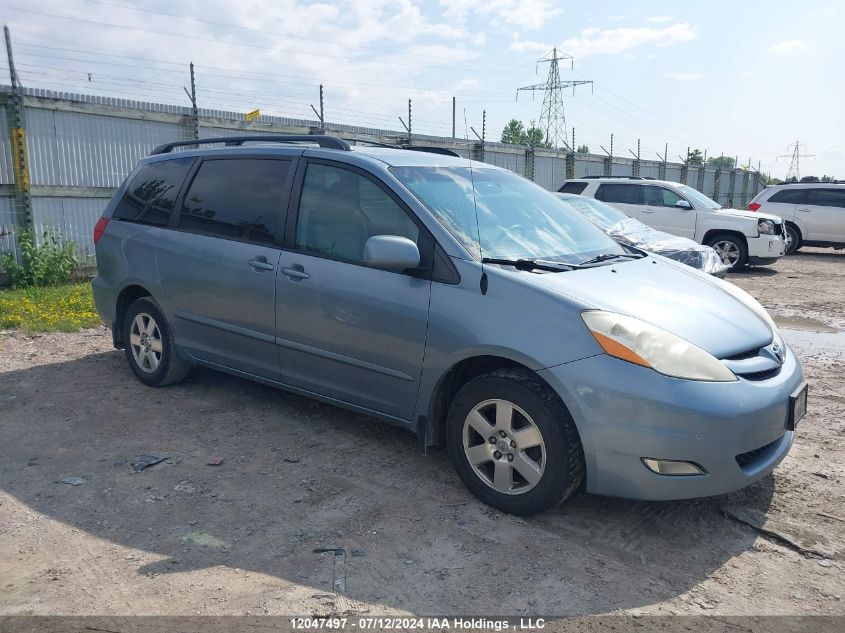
81, 147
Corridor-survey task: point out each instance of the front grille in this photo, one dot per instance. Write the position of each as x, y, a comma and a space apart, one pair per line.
746, 459
751, 353
761, 375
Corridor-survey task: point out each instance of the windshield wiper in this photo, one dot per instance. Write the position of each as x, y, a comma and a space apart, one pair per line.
532, 264
608, 256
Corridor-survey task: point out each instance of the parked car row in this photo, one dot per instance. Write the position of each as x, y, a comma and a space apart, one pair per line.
462, 302
739, 237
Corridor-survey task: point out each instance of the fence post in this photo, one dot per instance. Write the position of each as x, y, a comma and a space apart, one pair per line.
717, 183
684, 172
744, 200
699, 182
731, 187
529, 162
570, 165
20, 159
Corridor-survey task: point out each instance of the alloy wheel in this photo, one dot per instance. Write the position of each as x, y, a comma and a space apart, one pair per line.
728, 251
504, 447
145, 340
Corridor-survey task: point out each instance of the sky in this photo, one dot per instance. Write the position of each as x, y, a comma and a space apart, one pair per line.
744, 79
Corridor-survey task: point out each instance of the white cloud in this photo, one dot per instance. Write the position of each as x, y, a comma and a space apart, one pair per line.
788, 46
683, 76
595, 41
522, 14
522, 46
660, 19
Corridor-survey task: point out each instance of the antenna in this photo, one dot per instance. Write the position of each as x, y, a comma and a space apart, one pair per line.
796, 156
552, 117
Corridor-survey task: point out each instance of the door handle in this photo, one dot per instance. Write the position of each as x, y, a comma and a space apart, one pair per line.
260, 263
295, 272
805, 210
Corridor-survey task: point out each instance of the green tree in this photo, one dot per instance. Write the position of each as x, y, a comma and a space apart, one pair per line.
583, 149
695, 157
534, 136
514, 133
722, 162
826, 178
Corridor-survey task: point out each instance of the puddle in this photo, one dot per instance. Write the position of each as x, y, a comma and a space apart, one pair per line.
803, 323
810, 335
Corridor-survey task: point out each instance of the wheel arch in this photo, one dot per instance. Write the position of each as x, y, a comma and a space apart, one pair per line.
715, 232
432, 432
127, 295
797, 229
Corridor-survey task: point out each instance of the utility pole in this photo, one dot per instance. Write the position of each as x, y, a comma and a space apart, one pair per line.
192, 95
552, 116
453, 117
20, 161
320, 113
795, 156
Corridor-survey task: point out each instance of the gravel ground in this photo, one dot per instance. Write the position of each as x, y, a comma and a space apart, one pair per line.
185, 537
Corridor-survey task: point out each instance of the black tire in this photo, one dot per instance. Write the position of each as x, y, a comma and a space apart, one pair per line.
738, 242
563, 468
795, 238
170, 368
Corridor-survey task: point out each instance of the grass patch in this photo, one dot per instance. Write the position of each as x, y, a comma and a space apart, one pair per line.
66, 308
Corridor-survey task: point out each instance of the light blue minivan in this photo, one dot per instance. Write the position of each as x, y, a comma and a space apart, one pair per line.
455, 299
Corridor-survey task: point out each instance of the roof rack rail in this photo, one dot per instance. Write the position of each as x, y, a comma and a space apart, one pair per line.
618, 177
445, 151
328, 142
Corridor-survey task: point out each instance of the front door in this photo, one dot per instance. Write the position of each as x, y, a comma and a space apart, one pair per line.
659, 212
345, 330
218, 267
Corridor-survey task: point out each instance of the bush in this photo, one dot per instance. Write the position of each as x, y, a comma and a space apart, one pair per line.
50, 263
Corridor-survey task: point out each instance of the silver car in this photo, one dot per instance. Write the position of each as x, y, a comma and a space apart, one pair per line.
455, 299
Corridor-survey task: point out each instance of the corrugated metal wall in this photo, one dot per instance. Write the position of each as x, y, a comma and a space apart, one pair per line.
82, 147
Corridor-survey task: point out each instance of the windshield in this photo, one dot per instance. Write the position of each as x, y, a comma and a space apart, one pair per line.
598, 212
497, 214
700, 198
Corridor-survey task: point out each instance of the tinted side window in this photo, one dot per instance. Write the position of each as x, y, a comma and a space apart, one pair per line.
826, 197
340, 210
625, 194
151, 195
789, 196
238, 198
573, 187
659, 196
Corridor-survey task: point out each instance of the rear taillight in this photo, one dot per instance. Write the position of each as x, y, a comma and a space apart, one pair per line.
754, 206
100, 228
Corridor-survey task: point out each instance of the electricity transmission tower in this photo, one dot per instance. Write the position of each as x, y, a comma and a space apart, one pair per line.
552, 117
796, 156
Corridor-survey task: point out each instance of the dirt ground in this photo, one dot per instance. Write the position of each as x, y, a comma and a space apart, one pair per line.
243, 537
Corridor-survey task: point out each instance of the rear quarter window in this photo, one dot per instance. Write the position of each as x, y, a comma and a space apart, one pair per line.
789, 196
623, 194
151, 194
573, 187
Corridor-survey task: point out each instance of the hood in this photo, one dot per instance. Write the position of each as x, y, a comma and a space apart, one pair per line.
739, 213
670, 295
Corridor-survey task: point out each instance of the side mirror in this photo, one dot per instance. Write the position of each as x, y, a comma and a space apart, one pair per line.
391, 252
683, 204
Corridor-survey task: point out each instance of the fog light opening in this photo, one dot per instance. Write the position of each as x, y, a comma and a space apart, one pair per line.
672, 467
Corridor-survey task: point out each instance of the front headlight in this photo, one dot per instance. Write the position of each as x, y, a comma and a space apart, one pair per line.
641, 343
765, 227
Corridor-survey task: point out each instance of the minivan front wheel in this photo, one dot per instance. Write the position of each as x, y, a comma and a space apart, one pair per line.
150, 350
513, 443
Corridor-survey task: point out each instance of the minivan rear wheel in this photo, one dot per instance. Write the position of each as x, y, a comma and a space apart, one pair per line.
732, 249
513, 443
150, 350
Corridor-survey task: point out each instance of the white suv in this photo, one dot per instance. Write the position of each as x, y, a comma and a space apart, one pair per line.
740, 237
814, 212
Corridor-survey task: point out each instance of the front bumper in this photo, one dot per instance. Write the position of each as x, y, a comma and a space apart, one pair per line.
765, 247
735, 431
